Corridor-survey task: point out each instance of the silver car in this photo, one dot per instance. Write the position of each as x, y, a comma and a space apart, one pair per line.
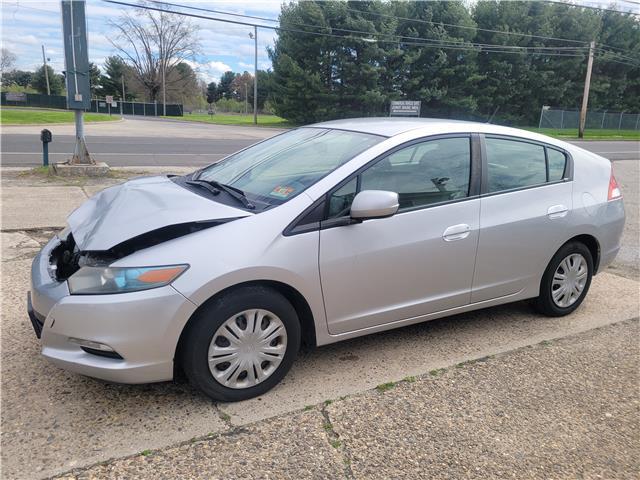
320, 234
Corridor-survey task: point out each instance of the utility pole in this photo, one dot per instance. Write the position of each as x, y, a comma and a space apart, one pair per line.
255, 75
164, 90
585, 95
46, 71
123, 97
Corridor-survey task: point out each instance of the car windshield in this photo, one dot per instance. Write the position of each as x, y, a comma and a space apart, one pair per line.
283, 166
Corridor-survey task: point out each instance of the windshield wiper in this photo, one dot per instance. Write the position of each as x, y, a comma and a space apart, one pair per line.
215, 187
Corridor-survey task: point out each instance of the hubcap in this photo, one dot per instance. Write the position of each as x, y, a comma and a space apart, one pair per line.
569, 280
247, 348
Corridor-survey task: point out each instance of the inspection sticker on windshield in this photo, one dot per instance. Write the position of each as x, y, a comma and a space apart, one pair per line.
282, 192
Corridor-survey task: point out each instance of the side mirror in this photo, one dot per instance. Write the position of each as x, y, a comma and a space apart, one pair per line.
374, 204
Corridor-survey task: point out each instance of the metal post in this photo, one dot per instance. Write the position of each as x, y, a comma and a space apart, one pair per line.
541, 113
155, 108
620, 121
603, 117
246, 99
45, 154
46, 70
164, 94
123, 97
80, 154
637, 120
585, 95
255, 76
561, 119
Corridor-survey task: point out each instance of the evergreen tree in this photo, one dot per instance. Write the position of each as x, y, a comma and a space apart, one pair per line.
39, 81
224, 86
212, 93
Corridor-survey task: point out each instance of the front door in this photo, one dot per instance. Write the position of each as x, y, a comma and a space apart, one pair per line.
418, 261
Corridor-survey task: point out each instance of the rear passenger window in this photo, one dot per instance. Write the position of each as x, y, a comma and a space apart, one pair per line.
557, 164
513, 164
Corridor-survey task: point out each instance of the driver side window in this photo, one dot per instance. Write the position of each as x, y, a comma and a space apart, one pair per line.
424, 173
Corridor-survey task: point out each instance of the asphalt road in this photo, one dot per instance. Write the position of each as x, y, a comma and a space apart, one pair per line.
145, 142
21, 150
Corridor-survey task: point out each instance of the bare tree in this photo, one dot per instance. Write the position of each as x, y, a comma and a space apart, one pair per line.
7, 60
154, 43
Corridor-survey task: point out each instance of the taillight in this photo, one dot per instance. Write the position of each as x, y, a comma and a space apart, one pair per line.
614, 189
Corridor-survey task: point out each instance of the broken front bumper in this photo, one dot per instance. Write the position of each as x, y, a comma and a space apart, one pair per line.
142, 328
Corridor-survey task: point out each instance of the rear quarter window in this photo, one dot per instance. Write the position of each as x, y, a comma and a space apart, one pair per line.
557, 164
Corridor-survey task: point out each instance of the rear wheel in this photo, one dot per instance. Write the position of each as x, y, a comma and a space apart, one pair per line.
240, 345
566, 280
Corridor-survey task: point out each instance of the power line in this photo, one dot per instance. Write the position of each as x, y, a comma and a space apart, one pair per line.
569, 4
632, 59
609, 59
416, 42
499, 48
429, 22
417, 20
395, 38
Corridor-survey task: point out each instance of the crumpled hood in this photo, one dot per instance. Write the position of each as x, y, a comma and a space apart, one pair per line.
140, 206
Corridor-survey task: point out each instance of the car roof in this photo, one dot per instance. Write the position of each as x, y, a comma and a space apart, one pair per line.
392, 126
385, 126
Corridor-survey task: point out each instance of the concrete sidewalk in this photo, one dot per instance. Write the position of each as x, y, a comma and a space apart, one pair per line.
35, 200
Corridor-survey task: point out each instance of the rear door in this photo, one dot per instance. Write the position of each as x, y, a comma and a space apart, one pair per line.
525, 207
416, 262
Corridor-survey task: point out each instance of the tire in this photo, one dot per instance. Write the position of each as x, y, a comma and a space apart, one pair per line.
579, 258
223, 317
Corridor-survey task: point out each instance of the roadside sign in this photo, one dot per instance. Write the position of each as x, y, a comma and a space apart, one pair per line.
405, 108
76, 54
109, 99
114, 104
16, 97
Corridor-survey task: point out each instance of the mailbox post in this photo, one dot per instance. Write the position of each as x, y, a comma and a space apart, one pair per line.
45, 138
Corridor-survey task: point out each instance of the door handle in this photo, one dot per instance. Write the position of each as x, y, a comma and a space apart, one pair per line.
557, 211
456, 232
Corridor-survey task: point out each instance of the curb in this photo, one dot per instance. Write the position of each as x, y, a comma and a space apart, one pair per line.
56, 124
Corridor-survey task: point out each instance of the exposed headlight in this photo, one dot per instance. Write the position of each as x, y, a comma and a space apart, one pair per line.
102, 280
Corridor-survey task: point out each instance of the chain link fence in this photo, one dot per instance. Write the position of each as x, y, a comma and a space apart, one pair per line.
117, 107
557, 118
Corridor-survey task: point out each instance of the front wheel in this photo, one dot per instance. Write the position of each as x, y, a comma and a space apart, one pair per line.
241, 344
566, 280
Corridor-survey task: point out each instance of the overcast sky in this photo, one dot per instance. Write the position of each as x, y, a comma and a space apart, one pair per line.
28, 24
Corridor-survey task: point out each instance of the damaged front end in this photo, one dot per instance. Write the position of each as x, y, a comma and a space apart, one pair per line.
67, 258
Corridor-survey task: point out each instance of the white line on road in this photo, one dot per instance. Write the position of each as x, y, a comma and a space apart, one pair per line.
127, 154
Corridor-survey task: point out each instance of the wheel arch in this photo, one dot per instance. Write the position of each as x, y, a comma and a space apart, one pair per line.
297, 300
592, 244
